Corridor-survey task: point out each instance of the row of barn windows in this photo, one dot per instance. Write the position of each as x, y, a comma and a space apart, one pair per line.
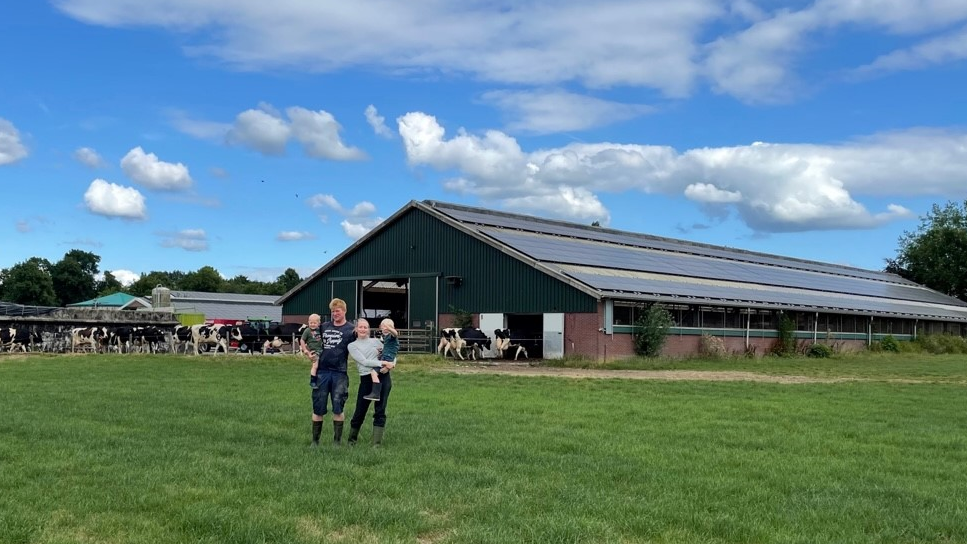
714, 317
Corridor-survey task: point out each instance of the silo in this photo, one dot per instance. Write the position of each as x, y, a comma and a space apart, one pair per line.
161, 297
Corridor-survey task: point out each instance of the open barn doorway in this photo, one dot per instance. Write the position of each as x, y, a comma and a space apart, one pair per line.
529, 328
379, 299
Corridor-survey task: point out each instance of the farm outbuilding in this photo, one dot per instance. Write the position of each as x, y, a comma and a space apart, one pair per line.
578, 289
221, 307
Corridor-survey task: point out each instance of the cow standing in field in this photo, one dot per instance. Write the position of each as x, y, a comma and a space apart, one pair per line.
285, 333
210, 334
180, 336
506, 345
475, 340
83, 337
450, 342
119, 338
17, 338
147, 339
250, 339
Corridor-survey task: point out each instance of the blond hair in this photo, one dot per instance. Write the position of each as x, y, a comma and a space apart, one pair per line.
389, 325
337, 303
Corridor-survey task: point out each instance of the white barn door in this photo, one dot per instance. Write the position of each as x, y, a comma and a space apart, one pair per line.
489, 322
553, 336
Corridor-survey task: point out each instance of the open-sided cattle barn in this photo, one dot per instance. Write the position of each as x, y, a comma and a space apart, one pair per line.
578, 289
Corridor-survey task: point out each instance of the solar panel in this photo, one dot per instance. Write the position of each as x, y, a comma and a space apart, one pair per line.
550, 249
572, 230
686, 291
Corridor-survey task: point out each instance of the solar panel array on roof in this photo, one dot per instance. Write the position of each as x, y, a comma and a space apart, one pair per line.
550, 249
779, 297
508, 221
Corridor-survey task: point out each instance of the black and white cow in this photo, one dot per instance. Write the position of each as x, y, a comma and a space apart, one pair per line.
119, 338
250, 339
507, 346
148, 339
17, 339
210, 334
285, 333
84, 337
450, 342
180, 336
475, 340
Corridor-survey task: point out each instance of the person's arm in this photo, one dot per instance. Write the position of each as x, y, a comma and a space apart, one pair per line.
358, 355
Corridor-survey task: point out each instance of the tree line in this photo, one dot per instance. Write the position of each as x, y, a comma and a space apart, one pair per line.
39, 282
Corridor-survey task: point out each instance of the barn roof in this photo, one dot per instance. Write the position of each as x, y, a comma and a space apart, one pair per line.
237, 306
123, 301
608, 263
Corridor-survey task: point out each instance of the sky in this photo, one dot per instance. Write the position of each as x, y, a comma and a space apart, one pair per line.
256, 136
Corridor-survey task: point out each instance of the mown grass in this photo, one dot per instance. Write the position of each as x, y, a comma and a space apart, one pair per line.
910, 366
205, 449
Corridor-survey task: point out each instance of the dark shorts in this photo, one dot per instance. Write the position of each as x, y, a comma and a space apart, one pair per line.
332, 385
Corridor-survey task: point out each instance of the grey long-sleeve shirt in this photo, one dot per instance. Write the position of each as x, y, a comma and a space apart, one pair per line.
365, 351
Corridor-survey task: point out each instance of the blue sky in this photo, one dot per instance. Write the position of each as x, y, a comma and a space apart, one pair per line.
254, 136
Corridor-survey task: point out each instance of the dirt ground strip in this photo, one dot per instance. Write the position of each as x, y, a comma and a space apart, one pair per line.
667, 375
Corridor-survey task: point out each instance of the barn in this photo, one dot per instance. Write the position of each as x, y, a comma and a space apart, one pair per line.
576, 289
221, 307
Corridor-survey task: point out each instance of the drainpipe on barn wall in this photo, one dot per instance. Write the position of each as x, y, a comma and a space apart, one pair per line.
869, 334
916, 323
816, 328
748, 325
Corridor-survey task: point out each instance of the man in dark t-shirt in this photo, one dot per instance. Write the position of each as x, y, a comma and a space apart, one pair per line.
332, 379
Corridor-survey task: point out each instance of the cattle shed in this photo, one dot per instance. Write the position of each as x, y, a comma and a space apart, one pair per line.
576, 290
225, 307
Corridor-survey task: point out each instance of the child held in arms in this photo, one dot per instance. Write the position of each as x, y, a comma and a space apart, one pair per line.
391, 346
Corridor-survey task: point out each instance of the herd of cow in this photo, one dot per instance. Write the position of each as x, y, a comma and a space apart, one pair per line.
459, 343
152, 339
473, 341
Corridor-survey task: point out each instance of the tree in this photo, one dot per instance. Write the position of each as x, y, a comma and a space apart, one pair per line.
205, 279
289, 279
935, 255
109, 285
73, 276
143, 286
651, 330
29, 283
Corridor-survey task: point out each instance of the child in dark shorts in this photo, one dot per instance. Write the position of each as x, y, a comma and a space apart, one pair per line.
311, 344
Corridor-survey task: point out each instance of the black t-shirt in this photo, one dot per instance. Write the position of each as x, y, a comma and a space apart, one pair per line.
335, 346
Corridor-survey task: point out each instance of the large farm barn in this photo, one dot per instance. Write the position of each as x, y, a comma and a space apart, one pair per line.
577, 289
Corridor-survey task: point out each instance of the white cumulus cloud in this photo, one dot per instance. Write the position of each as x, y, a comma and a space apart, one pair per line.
358, 220
771, 187
294, 236
549, 111
153, 173
126, 277
378, 122
187, 239
112, 200
11, 148
88, 157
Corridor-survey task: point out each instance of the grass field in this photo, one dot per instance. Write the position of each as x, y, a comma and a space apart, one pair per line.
149, 449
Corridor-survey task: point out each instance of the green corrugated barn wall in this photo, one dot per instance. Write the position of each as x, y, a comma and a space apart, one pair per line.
426, 250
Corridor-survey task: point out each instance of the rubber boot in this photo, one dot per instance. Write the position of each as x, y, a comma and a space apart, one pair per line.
316, 431
337, 433
353, 435
378, 436
374, 392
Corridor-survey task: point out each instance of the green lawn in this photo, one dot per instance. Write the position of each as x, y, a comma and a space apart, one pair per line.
133, 449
